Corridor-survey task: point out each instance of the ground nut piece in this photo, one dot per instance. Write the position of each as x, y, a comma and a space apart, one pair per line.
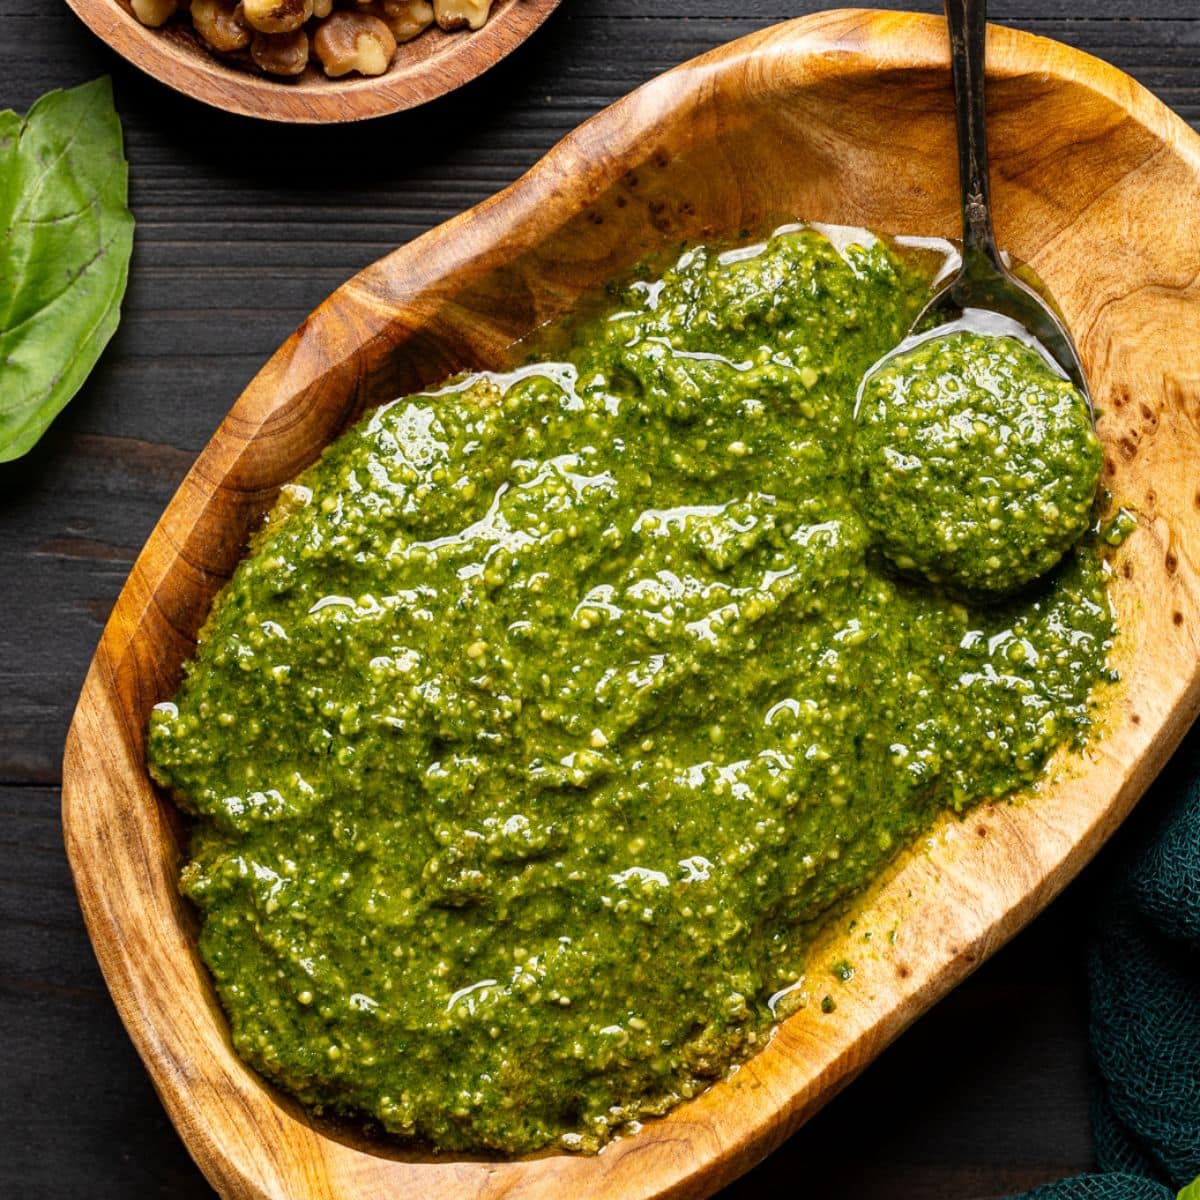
277, 16
220, 24
459, 14
153, 12
281, 53
407, 18
354, 41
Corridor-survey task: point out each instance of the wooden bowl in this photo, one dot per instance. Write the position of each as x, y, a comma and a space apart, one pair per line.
841, 117
427, 67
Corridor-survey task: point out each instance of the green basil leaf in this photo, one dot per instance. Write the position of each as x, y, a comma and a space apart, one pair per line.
65, 238
1192, 1191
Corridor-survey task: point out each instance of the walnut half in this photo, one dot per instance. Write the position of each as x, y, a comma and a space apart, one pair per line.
277, 16
280, 53
406, 18
461, 14
153, 12
220, 24
354, 41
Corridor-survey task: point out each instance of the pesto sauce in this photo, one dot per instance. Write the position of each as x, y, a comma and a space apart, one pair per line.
978, 462
552, 712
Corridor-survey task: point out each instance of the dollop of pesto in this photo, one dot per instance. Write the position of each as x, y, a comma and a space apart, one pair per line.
978, 462
552, 712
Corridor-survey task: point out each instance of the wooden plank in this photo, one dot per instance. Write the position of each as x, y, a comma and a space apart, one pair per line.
81, 1118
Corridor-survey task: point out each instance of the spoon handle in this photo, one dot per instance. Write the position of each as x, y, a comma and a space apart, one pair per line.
968, 22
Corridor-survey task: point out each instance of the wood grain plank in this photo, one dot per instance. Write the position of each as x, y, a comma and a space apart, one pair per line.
75, 513
71, 1086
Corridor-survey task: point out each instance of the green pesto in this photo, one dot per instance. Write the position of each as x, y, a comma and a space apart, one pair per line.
553, 712
978, 463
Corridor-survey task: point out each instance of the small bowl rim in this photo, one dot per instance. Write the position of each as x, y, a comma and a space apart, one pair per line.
206, 78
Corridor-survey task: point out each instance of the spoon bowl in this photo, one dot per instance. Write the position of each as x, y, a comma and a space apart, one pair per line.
979, 292
984, 281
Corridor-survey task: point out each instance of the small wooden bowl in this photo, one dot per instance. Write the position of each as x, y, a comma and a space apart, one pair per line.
841, 117
427, 67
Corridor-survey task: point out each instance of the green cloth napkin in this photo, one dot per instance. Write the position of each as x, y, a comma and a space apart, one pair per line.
1144, 996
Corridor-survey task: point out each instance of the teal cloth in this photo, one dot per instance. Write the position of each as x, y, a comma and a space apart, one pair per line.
1144, 998
1116, 1185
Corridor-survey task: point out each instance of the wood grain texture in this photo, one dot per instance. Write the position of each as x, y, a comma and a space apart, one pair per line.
843, 117
429, 66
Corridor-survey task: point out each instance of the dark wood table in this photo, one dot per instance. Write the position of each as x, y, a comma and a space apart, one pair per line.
242, 230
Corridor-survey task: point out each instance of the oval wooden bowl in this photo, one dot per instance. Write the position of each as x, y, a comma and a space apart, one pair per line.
427, 67
841, 117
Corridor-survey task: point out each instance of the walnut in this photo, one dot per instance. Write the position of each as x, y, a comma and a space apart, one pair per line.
277, 16
461, 14
153, 12
220, 24
281, 53
354, 41
406, 18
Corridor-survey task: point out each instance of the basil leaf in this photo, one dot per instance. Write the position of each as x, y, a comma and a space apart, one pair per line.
65, 238
1192, 1191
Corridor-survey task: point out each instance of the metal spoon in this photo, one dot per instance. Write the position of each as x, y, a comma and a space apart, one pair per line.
983, 281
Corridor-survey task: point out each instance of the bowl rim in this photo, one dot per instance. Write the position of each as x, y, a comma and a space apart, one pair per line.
206, 78
507, 220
